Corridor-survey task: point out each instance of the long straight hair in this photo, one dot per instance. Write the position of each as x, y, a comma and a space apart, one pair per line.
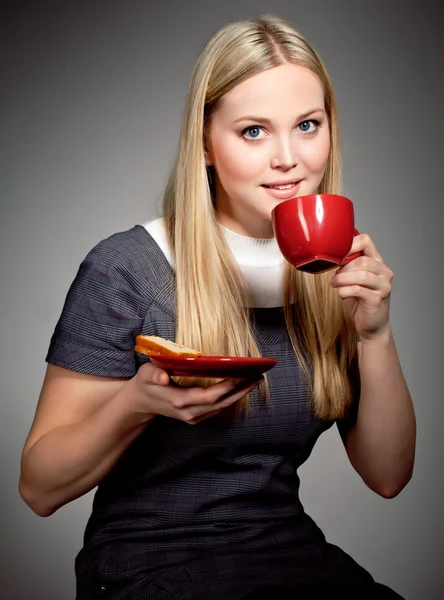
211, 305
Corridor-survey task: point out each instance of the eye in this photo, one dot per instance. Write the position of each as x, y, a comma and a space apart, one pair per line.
308, 126
252, 133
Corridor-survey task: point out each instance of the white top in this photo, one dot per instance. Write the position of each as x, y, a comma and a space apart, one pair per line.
260, 261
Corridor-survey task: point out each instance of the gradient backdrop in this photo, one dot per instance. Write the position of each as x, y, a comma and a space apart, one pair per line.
91, 101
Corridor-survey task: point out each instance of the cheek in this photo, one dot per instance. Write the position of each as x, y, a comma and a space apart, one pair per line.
235, 161
316, 155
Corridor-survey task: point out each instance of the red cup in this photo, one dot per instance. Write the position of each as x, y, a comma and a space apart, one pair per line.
315, 233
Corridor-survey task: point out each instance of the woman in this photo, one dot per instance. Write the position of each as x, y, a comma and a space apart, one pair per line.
212, 510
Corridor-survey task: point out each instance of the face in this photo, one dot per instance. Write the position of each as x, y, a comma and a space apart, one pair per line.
268, 141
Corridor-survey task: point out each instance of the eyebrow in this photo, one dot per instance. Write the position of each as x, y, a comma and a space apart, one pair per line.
266, 121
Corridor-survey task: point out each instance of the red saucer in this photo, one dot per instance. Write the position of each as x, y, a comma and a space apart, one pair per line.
215, 366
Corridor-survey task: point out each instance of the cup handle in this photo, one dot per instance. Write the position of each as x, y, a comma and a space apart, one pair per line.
351, 257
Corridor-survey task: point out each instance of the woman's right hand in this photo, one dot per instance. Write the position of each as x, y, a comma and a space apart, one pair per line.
158, 395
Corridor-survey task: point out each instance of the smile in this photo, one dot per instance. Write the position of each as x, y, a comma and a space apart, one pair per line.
282, 190
281, 187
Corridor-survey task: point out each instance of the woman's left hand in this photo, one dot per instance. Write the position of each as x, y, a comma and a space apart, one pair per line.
365, 285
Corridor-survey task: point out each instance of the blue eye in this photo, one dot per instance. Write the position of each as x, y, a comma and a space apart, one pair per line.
254, 132
308, 126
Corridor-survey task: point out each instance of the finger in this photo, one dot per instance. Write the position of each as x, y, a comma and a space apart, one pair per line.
365, 295
363, 263
196, 411
239, 391
365, 279
363, 243
210, 395
187, 397
154, 375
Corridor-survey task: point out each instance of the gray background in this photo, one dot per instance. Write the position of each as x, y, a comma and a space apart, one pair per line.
92, 95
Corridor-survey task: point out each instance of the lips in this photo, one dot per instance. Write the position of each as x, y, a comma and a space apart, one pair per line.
282, 190
281, 185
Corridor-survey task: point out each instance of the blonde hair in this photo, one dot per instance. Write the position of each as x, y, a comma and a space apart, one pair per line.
211, 307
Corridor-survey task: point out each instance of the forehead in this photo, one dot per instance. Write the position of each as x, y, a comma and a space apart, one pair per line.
286, 87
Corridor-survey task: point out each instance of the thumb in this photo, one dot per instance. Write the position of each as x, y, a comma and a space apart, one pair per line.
154, 375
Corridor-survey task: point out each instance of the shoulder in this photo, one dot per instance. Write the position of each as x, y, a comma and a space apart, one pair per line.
126, 271
132, 256
123, 286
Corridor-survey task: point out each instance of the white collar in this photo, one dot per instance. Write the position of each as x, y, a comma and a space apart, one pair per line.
260, 260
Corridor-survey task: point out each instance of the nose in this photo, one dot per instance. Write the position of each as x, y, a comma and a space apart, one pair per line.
284, 155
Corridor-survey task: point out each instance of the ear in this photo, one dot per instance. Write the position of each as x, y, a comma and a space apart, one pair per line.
208, 158
207, 154
207, 148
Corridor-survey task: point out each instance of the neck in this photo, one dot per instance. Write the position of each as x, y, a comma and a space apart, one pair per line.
239, 219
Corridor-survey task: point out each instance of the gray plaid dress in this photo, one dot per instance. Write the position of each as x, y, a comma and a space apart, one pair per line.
204, 511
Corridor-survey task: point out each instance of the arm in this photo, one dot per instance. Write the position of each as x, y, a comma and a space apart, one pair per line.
84, 423
380, 443
82, 426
